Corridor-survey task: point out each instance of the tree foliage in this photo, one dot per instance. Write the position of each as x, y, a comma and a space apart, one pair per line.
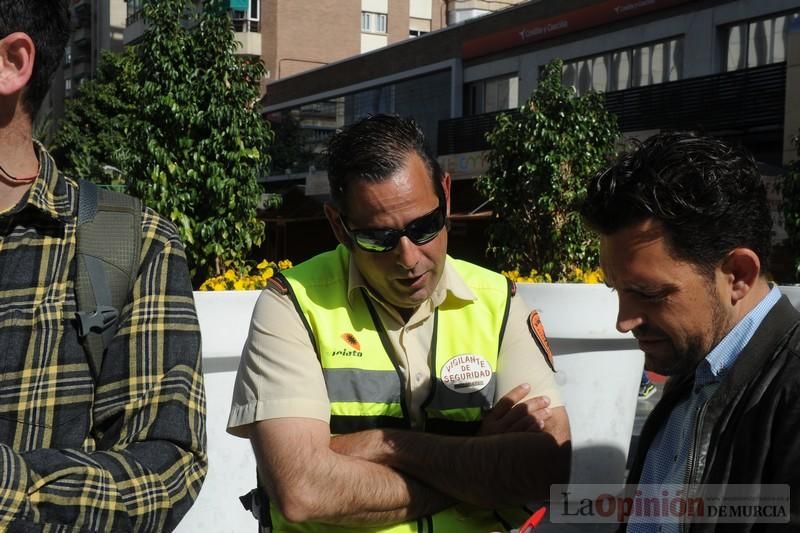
539, 163
790, 190
176, 113
92, 134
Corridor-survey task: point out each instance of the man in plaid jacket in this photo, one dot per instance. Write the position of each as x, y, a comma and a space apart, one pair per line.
122, 450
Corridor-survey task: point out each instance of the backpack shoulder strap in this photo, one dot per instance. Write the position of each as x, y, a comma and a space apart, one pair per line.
109, 242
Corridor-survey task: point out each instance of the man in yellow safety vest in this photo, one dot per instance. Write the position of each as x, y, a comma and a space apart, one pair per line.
386, 386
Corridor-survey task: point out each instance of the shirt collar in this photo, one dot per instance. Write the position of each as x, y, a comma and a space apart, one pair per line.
721, 358
451, 283
48, 194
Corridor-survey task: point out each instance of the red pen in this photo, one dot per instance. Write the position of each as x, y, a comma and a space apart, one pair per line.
531, 523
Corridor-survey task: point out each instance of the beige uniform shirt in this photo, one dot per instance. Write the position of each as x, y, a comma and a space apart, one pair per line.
279, 375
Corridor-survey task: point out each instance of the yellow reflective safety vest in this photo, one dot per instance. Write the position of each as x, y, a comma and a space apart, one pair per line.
364, 384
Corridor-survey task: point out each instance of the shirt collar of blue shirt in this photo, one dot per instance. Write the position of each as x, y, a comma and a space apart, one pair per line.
722, 357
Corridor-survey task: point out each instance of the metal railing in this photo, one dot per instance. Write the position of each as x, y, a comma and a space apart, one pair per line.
742, 100
246, 26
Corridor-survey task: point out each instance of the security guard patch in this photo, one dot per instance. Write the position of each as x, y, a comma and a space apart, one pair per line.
278, 285
537, 332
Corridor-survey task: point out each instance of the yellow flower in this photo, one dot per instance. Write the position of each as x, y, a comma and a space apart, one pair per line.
233, 280
593, 277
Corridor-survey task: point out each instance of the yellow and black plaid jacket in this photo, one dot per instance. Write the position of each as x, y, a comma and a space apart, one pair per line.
125, 452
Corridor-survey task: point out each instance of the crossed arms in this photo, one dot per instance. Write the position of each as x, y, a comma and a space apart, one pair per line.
386, 476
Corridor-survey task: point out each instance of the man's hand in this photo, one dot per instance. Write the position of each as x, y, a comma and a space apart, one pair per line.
511, 415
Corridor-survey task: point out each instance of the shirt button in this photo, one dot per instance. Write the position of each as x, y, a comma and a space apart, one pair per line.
419, 376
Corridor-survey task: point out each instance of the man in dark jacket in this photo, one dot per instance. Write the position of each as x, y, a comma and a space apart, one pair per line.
685, 241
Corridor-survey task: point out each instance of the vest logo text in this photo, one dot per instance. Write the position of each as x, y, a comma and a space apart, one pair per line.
466, 373
347, 353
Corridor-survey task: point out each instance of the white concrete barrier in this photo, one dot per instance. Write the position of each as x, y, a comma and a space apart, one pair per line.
599, 371
224, 321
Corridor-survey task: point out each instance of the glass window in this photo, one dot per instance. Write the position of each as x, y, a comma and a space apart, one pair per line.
68, 55
495, 94
630, 67
134, 10
373, 22
621, 69
600, 74
756, 42
244, 21
426, 99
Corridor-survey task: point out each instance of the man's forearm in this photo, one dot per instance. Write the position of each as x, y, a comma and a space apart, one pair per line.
422, 500
310, 482
490, 471
100, 491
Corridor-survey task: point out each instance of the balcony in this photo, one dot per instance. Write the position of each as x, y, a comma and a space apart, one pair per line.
247, 33
248, 43
743, 101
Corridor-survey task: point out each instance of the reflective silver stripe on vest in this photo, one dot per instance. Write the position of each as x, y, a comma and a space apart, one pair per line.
448, 399
355, 385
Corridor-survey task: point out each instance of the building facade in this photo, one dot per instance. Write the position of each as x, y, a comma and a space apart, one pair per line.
661, 64
97, 25
724, 67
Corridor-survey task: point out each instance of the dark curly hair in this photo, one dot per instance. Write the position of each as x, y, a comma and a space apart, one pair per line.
708, 196
374, 149
46, 22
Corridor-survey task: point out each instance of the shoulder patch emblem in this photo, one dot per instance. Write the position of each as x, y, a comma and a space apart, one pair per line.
278, 286
537, 332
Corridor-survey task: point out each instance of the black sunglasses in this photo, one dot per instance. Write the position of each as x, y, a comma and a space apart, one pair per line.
419, 231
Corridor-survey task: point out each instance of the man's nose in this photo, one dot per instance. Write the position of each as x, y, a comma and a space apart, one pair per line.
629, 316
407, 253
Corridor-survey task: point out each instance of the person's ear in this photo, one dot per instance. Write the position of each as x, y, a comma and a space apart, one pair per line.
335, 220
17, 54
741, 268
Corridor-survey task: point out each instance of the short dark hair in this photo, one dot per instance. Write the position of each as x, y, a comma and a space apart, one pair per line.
374, 149
47, 24
709, 197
